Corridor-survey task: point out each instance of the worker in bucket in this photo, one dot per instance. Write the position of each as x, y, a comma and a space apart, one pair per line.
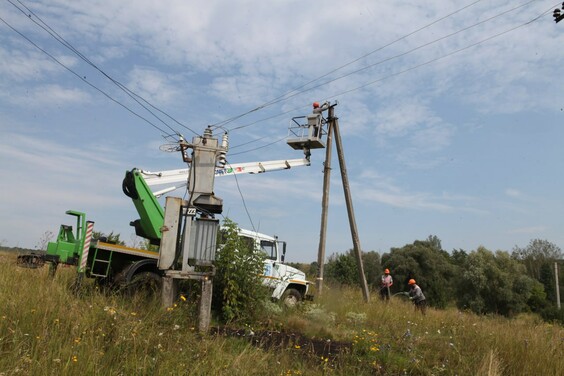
417, 297
386, 281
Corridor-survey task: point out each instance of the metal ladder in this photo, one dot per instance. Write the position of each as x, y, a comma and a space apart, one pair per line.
101, 264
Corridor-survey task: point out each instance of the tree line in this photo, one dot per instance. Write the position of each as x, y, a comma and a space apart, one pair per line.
481, 280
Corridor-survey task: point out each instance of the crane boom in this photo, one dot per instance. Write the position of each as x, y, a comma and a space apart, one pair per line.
153, 178
136, 185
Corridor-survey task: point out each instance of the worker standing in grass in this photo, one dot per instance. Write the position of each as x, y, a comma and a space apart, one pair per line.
386, 281
416, 295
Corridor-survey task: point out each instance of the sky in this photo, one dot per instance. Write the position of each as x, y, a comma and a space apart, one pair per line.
451, 115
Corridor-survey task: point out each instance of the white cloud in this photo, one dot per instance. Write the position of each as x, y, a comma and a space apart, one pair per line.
209, 60
57, 95
395, 121
30, 65
513, 193
153, 85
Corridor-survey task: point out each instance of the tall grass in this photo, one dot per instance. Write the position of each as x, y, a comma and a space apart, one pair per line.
45, 329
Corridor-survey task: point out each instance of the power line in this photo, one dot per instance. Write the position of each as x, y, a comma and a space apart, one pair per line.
83, 79
296, 93
260, 147
445, 56
284, 97
122, 87
243, 199
411, 68
407, 52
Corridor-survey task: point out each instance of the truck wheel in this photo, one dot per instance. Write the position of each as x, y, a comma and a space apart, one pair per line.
291, 298
145, 283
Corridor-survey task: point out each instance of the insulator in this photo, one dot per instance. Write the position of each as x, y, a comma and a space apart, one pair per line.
221, 157
208, 132
225, 142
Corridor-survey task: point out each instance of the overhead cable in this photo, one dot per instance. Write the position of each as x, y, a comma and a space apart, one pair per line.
89, 83
287, 95
137, 98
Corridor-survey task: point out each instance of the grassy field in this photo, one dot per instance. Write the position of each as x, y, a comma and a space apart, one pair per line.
45, 329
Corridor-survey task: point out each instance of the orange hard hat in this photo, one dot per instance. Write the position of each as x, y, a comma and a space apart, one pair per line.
387, 271
411, 281
315, 104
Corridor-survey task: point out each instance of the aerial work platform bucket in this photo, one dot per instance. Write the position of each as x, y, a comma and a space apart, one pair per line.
306, 135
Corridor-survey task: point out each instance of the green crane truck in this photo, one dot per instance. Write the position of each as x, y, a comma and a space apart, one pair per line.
116, 265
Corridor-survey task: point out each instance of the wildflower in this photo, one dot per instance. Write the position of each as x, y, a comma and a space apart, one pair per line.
374, 348
77, 340
183, 298
110, 310
297, 346
74, 358
133, 313
176, 327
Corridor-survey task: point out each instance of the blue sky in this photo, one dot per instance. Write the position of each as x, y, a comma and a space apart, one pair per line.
454, 130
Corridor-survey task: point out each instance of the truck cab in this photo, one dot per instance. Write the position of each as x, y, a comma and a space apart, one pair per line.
287, 283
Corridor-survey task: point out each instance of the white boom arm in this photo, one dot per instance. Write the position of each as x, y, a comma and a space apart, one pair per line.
181, 175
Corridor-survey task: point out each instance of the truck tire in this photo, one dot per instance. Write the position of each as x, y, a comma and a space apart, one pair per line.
148, 284
291, 298
139, 278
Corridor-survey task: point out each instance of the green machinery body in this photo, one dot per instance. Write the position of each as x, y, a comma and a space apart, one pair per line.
151, 213
105, 261
69, 245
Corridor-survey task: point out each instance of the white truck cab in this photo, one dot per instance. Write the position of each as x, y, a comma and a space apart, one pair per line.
288, 284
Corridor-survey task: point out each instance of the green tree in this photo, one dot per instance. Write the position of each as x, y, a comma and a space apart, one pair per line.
536, 254
428, 264
372, 267
458, 257
313, 269
238, 293
108, 238
539, 257
495, 283
343, 269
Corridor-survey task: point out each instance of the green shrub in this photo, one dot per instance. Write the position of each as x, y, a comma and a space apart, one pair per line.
238, 291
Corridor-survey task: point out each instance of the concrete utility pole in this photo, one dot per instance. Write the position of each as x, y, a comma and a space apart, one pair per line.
557, 285
333, 128
188, 244
324, 209
348, 198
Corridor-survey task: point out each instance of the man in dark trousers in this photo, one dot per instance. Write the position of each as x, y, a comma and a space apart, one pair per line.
386, 281
417, 297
